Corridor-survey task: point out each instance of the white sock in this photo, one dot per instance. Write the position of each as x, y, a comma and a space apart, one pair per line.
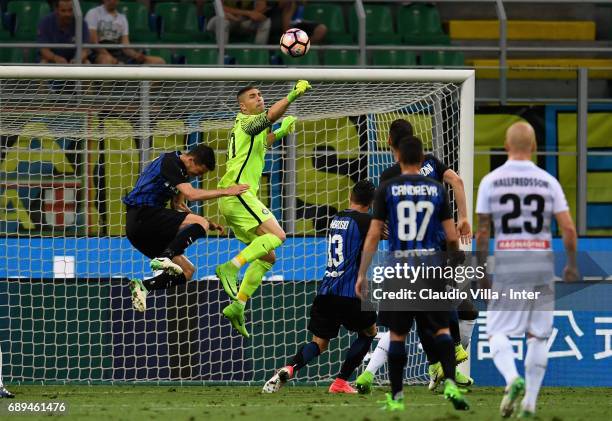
466, 327
535, 368
503, 357
379, 356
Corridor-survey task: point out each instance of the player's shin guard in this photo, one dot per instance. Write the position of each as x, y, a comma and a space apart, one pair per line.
359, 348
379, 356
466, 327
252, 279
164, 281
184, 238
503, 357
446, 354
397, 363
535, 368
259, 247
306, 354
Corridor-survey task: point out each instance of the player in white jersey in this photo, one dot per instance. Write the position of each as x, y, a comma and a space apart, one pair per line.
521, 200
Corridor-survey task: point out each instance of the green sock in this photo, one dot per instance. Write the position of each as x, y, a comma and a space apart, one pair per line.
252, 279
259, 247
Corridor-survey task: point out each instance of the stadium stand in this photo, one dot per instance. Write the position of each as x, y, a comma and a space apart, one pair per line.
27, 14
420, 24
379, 25
139, 19
332, 16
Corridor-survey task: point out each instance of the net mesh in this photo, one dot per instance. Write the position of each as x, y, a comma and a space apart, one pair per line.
70, 150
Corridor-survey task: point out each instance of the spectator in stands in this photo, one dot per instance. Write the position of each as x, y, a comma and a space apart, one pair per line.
108, 26
59, 27
243, 17
283, 16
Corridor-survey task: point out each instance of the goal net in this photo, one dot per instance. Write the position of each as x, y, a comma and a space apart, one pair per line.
73, 142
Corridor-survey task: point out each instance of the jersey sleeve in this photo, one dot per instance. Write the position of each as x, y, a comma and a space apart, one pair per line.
254, 124
380, 203
482, 202
559, 200
171, 171
92, 19
445, 209
440, 168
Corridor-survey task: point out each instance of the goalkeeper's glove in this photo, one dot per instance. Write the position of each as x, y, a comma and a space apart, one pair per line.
287, 127
299, 89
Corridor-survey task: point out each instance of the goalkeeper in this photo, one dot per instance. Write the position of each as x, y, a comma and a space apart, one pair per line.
252, 223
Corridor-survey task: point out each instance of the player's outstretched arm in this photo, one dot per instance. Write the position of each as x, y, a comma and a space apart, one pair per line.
287, 127
277, 110
370, 246
192, 194
570, 242
463, 225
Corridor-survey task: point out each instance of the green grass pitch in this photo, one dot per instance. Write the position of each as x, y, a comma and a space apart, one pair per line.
294, 403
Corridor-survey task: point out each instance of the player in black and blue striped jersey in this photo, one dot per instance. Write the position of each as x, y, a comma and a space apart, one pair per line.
336, 303
463, 320
416, 208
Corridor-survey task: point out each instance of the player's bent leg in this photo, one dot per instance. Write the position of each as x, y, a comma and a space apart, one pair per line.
192, 228
378, 359
359, 348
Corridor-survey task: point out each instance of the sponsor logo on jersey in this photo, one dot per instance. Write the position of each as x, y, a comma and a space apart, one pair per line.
265, 211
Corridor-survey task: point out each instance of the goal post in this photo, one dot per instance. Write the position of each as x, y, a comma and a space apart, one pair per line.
73, 141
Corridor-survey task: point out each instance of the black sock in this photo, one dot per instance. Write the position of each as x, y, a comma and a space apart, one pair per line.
453, 324
427, 342
163, 281
397, 363
183, 239
446, 354
359, 348
306, 354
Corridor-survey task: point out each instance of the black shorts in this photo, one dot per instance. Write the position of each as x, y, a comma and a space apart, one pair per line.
150, 230
400, 322
329, 312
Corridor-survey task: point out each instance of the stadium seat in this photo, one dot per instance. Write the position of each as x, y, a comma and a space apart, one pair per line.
179, 22
201, 56
138, 19
246, 57
442, 58
420, 24
28, 14
330, 15
341, 58
310, 59
11, 55
379, 25
393, 58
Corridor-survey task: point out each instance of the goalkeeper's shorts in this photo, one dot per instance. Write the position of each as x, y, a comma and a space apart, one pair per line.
243, 214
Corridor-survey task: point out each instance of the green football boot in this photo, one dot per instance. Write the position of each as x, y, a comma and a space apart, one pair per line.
139, 295
391, 404
364, 383
228, 276
235, 314
453, 394
511, 394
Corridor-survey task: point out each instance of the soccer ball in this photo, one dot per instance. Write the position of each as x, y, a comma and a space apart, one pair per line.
295, 42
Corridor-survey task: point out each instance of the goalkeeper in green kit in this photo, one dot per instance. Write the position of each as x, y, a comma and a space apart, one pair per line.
251, 222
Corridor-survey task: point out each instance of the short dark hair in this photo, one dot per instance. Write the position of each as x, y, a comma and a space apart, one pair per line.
203, 155
245, 89
363, 193
399, 128
411, 150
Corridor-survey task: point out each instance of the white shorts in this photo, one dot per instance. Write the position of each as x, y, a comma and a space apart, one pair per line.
522, 316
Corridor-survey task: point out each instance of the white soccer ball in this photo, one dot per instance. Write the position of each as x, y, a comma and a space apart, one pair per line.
295, 42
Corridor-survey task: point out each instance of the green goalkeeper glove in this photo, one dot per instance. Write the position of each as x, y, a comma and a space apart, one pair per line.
287, 127
299, 89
